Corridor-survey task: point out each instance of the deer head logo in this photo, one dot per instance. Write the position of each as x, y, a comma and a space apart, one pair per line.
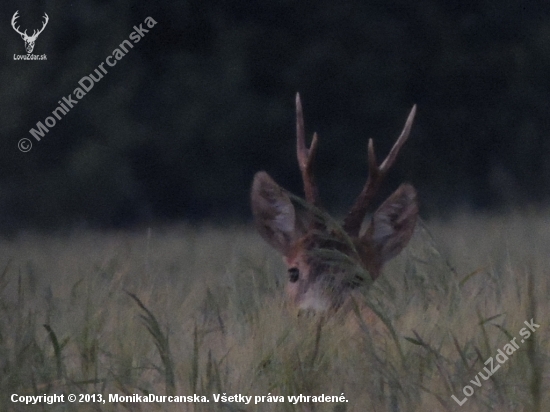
29, 40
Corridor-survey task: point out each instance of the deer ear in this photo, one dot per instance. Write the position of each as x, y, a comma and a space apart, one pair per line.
392, 225
274, 213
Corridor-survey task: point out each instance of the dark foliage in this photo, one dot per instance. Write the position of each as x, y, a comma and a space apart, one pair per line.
178, 127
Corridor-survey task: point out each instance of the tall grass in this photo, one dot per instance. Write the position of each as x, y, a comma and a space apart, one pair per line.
186, 310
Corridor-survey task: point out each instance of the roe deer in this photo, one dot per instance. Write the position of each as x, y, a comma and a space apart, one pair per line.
325, 260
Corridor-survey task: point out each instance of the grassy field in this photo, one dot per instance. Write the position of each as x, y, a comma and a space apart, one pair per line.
186, 310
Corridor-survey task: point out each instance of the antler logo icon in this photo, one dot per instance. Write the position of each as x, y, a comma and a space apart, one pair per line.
29, 40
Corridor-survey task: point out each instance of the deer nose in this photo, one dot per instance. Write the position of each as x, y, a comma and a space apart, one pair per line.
293, 275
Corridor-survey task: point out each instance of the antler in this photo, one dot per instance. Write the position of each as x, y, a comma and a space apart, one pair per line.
352, 222
306, 156
37, 32
13, 19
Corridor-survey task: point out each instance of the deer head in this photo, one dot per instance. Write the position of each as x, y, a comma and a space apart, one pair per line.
325, 260
29, 40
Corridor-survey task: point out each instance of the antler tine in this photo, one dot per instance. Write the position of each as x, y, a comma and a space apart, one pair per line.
37, 32
390, 159
306, 156
352, 222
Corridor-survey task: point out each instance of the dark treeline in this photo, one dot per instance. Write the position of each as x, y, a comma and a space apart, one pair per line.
177, 128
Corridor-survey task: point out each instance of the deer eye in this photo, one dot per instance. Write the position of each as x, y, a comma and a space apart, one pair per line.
293, 275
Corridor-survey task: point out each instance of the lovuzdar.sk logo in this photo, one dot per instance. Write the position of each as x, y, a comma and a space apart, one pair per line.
29, 40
